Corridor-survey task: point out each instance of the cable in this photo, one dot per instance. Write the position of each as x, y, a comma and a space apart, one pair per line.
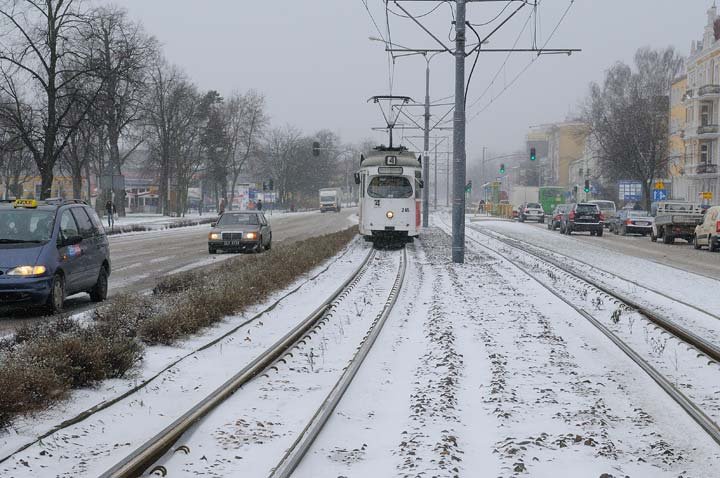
495, 18
472, 70
534, 59
402, 15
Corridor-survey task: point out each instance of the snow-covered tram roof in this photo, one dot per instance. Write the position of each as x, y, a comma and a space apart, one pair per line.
382, 158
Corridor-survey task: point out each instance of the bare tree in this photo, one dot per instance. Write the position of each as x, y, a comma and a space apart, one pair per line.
125, 55
246, 122
41, 62
279, 155
628, 117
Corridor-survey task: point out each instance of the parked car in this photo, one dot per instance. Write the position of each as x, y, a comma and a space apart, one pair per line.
240, 231
706, 233
631, 222
583, 217
556, 217
531, 211
608, 208
50, 250
675, 219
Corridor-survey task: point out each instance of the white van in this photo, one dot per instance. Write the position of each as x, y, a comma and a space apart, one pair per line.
706, 234
607, 208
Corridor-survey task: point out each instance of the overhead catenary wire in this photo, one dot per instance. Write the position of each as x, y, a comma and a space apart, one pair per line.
532, 61
402, 15
382, 37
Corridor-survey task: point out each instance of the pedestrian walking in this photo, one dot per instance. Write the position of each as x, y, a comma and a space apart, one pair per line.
110, 211
259, 205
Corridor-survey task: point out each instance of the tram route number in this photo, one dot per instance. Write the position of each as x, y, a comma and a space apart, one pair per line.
406, 209
377, 203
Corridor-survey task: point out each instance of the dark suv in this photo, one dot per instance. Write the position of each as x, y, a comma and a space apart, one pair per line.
50, 250
582, 217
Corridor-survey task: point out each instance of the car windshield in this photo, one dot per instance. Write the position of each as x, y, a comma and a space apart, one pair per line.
327, 198
25, 225
586, 209
533, 205
637, 214
606, 205
390, 187
238, 219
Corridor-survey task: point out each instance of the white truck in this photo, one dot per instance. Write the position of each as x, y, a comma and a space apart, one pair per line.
675, 219
330, 199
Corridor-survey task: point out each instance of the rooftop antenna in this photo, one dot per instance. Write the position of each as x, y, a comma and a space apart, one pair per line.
395, 103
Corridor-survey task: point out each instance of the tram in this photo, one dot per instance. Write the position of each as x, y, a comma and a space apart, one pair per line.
390, 183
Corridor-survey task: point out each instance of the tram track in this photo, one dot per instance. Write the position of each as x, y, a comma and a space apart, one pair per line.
695, 411
148, 456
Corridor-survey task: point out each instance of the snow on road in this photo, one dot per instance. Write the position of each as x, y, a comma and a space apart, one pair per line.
95, 444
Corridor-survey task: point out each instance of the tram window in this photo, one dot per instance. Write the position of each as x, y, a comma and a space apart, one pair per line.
390, 187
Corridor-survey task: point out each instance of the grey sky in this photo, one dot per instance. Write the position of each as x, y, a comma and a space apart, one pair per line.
315, 64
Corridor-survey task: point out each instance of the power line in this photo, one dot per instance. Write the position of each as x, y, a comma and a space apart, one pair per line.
401, 15
494, 18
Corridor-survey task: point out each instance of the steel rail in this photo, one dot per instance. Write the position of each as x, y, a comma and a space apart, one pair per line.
605, 271
708, 348
85, 414
152, 450
695, 412
297, 451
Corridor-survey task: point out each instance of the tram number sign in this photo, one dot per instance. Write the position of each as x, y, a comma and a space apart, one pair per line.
377, 203
405, 209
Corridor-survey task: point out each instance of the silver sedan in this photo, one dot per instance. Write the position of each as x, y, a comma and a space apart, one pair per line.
239, 231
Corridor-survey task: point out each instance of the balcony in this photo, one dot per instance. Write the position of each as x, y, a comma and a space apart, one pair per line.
705, 168
707, 129
709, 90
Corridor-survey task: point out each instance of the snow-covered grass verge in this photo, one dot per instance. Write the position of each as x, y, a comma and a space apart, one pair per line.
42, 363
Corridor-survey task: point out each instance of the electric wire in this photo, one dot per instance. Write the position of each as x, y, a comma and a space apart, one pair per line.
495, 18
534, 59
382, 37
402, 15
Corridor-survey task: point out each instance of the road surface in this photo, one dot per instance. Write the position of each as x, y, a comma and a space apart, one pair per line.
139, 259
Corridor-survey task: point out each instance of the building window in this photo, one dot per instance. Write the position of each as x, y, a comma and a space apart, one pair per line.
706, 114
705, 153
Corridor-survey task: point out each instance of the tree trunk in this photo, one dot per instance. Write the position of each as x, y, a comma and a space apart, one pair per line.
647, 193
77, 181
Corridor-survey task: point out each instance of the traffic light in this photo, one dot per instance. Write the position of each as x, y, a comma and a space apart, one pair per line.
502, 168
316, 148
587, 186
533, 155
468, 187
265, 186
270, 185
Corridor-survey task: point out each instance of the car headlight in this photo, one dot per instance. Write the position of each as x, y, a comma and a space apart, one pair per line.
27, 271
251, 235
215, 236
390, 214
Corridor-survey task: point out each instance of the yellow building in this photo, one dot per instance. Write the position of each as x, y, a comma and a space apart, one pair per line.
678, 123
566, 144
30, 187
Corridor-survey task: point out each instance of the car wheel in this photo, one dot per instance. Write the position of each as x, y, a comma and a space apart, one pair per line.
212, 250
696, 244
668, 239
623, 231
653, 237
99, 292
712, 244
614, 230
269, 244
568, 230
260, 247
600, 232
56, 299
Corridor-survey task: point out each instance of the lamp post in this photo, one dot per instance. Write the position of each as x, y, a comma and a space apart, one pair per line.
428, 55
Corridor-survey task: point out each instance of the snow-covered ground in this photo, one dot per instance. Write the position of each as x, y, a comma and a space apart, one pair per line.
184, 376
479, 371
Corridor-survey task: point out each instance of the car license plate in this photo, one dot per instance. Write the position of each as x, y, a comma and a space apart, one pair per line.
642, 223
586, 218
231, 243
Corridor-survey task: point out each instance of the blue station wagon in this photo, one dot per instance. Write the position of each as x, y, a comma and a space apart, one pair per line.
50, 250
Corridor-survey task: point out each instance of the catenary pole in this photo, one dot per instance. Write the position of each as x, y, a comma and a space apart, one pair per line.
435, 183
458, 207
426, 146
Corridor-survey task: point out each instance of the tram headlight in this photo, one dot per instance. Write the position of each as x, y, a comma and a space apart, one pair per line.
390, 214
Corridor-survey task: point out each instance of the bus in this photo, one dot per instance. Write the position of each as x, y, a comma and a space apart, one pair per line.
551, 196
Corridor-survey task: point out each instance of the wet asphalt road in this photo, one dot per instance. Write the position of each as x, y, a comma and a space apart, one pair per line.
140, 259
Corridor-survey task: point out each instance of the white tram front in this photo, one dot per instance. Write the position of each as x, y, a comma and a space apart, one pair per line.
390, 183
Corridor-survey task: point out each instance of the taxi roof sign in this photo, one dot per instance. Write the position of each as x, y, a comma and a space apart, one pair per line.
28, 203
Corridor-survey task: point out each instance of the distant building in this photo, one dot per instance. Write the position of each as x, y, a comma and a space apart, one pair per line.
565, 145
696, 171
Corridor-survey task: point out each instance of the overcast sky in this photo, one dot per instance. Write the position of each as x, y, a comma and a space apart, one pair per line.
315, 64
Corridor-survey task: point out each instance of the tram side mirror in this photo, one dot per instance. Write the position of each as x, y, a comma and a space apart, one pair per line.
421, 183
362, 158
357, 178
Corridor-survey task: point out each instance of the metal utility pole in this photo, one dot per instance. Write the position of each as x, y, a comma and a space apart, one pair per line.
435, 180
458, 210
426, 146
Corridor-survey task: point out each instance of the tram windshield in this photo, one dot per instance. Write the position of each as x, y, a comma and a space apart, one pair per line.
390, 187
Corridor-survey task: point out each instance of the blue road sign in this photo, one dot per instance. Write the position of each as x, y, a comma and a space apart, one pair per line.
659, 195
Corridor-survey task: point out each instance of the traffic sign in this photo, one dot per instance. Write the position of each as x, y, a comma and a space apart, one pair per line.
659, 184
658, 195
707, 195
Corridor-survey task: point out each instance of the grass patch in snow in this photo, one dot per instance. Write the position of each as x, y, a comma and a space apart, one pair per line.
42, 363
